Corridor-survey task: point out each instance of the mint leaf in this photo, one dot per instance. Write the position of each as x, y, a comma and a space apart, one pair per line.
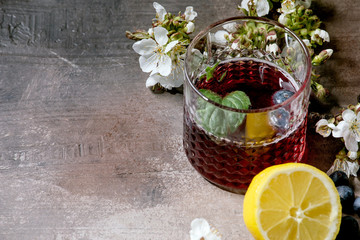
238, 100
218, 121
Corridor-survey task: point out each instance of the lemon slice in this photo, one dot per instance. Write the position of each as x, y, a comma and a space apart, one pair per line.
292, 201
258, 127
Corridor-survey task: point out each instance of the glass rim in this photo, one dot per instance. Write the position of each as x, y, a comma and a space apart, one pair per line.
203, 32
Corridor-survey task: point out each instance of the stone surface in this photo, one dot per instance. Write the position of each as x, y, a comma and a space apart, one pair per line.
87, 152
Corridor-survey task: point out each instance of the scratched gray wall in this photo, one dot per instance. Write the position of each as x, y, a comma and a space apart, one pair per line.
86, 151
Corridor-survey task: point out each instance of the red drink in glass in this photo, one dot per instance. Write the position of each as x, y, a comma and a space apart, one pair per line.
231, 164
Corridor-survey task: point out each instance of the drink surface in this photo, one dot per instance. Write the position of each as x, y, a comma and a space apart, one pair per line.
225, 162
257, 78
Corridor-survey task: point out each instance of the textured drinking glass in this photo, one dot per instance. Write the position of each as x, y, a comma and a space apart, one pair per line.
246, 96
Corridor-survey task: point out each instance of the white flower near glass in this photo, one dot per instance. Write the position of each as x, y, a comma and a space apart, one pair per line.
349, 130
173, 80
154, 53
262, 6
201, 230
320, 36
324, 127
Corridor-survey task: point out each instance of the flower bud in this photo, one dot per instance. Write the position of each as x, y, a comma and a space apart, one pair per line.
271, 36
320, 92
137, 35
322, 57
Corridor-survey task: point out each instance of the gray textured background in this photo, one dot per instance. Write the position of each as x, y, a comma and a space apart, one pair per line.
87, 152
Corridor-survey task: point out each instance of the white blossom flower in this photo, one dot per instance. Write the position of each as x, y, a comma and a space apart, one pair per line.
201, 230
190, 27
154, 57
174, 79
160, 11
288, 6
220, 37
262, 6
272, 48
320, 34
324, 127
190, 14
349, 130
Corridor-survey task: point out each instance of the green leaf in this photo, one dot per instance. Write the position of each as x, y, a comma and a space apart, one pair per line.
218, 121
209, 71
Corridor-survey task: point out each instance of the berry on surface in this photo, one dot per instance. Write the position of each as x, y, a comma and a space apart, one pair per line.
340, 178
349, 229
356, 206
347, 198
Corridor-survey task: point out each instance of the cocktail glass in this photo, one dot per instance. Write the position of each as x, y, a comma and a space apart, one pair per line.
246, 96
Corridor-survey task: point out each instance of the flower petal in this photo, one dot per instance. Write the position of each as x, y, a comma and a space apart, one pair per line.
148, 63
244, 4
145, 46
160, 11
283, 19
348, 115
170, 46
352, 155
262, 7
340, 129
305, 3
160, 34
175, 78
151, 81
350, 143
219, 37
164, 65
356, 130
231, 27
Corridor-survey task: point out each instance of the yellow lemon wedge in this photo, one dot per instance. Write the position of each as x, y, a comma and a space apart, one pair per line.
258, 127
292, 201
